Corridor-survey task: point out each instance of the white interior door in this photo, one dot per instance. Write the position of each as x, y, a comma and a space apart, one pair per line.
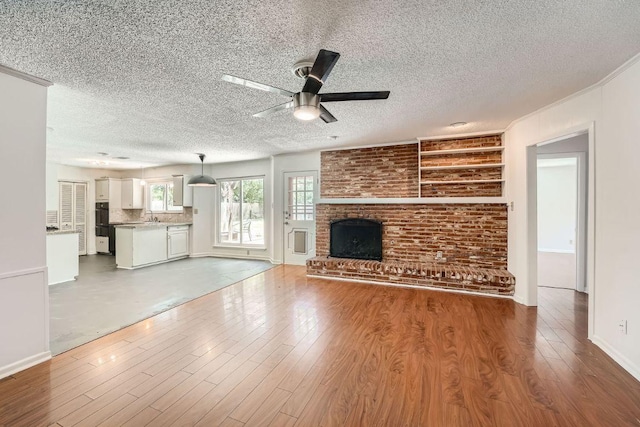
73, 211
80, 218
300, 190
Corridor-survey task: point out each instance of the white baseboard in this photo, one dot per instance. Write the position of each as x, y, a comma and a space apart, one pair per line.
23, 364
620, 359
519, 299
400, 285
201, 255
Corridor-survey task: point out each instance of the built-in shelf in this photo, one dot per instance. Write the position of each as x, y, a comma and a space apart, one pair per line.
480, 166
412, 200
463, 181
462, 151
472, 174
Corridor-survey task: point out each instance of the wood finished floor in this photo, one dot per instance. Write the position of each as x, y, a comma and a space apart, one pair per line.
279, 349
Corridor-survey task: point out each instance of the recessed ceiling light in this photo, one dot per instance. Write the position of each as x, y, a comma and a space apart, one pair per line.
121, 158
334, 137
458, 124
103, 154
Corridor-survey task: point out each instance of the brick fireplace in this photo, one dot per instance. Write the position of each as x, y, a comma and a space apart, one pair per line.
460, 246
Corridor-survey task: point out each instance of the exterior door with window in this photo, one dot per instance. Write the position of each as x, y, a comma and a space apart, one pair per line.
300, 189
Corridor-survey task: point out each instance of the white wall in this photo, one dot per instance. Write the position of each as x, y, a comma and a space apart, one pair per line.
24, 294
613, 108
557, 204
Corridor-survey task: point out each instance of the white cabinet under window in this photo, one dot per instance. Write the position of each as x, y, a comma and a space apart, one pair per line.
178, 241
73, 210
182, 193
132, 194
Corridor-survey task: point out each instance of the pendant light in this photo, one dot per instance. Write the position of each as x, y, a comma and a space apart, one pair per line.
202, 180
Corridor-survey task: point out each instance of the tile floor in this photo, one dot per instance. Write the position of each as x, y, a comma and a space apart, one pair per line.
105, 299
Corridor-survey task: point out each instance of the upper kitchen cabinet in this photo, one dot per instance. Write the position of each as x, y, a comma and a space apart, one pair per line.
182, 193
102, 190
109, 190
132, 194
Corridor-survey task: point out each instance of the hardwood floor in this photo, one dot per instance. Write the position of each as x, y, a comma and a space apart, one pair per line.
279, 349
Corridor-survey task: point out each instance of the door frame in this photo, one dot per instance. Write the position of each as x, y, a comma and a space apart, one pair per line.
532, 220
285, 198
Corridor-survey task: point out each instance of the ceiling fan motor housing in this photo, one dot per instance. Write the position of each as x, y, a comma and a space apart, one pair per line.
306, 106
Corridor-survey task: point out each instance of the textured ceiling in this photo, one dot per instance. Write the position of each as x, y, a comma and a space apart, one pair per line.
142, 78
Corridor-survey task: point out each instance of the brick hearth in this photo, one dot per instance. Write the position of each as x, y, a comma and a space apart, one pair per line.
439, 275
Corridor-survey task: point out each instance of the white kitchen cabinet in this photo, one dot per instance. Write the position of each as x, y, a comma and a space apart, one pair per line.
102, 245
109, 190
132, 194
63, 262
139, 246
178, 241
102, 190
182, 193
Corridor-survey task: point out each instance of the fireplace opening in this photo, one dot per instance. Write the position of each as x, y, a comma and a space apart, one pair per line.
356, 238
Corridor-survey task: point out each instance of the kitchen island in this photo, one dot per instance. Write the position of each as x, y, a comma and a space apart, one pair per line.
149, 243
63, 261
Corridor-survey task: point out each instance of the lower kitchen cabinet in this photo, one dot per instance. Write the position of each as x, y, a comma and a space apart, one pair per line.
178, 241
148, 244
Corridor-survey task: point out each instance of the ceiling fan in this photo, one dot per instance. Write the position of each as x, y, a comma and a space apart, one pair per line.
306, 103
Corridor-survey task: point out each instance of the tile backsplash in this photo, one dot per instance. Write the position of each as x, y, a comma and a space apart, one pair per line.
134, 215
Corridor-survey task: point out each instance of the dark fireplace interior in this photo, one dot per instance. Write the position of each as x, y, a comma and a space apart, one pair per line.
356, 238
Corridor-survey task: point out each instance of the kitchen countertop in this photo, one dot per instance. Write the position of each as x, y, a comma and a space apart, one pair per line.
151, 224
54, 232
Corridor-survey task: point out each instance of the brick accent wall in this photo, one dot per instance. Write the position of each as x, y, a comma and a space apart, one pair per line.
390, 171
471, 235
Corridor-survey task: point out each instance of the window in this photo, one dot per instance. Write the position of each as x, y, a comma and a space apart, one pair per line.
241, 212
301, 198
160, 197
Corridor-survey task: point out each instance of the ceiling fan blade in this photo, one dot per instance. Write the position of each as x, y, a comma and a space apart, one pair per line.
320, 71
353, 96
256, 85
326, 116
275, 109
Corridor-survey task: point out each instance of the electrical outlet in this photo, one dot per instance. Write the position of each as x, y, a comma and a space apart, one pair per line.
623, 327
439, 255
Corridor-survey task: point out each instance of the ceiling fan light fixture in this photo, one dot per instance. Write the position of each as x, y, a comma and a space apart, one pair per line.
306, 106
458, 124
202, 180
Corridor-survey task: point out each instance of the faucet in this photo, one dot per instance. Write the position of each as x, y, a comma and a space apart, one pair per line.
155, 219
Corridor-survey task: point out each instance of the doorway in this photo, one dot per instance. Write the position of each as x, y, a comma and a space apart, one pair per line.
557, 180
572, 185
299, 229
